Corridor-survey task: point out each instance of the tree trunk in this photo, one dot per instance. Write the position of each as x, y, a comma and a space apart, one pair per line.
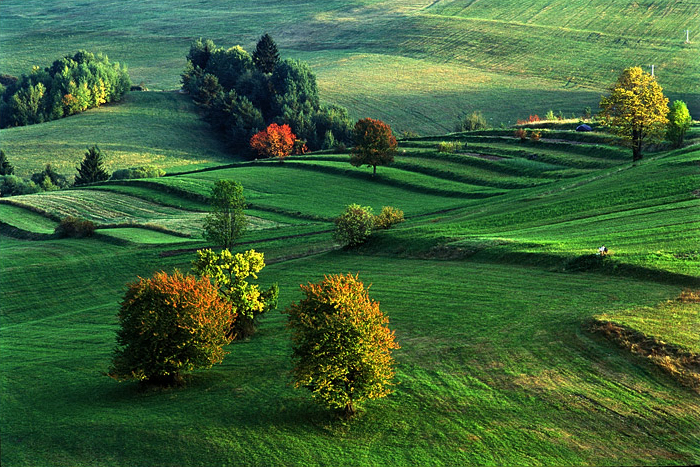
636, 144
349, 410
375, 170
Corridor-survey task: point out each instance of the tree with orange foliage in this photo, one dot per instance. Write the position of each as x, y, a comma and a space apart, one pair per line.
274, 141
341, 344
170, 324
375, 144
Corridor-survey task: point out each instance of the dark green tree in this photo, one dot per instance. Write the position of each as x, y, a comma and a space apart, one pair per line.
91, 169
266, 54
5, 166
227, 221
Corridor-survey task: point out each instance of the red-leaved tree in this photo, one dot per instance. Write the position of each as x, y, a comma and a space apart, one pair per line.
375, 144
274, 141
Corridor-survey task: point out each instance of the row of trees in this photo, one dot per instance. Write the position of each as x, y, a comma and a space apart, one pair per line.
70, 85
241, 94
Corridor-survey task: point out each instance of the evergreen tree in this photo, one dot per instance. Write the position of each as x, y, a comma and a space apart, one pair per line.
5, 166
266, 55
91, 169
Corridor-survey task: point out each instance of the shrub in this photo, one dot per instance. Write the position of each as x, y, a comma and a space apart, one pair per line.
229, 273
679, 121
450, 146
535, 135
522, 134
146, 171
170, 324
474, 121
341, 344
75, 227
689, 296
49, 180
388, 217
12, 185
549, 116
354, 226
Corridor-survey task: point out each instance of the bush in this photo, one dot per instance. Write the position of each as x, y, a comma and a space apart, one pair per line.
475, 121
75, 227
12, 185
49, 180
146, 171
341, 344
229, 273
354, 226
450, 146
522, 134
535, 135
170, 324
388, 217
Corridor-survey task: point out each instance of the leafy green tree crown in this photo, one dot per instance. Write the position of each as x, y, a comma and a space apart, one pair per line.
354, 226
679, 121
227, 221
341, 344
91, 169
229, 273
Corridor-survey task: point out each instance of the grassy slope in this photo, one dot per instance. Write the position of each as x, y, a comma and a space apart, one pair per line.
147, 128
494, 366
417, 64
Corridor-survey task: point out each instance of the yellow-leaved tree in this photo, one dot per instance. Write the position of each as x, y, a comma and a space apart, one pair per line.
636, 109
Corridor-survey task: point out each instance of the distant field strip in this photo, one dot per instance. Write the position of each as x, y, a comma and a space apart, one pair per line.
24, 219
105, 208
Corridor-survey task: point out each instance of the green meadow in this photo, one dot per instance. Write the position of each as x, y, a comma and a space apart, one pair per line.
416, 64
491, 284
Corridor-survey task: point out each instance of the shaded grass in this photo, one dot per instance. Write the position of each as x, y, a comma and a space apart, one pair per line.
509, 379
146, 128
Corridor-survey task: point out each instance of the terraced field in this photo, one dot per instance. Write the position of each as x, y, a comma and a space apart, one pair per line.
490, 284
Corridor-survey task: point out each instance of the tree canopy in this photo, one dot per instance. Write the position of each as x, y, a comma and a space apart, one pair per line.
70, 85
679, 121
227, 221
375, 144
636, 109
341, 344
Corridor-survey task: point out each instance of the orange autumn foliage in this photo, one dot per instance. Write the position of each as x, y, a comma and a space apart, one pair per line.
274, 141
170, 324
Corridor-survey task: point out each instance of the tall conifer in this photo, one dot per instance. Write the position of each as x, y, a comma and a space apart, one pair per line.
266, 54
91, 169
5, 166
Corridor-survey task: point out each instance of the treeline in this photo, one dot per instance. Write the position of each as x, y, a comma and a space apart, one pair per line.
70, 85
242, 94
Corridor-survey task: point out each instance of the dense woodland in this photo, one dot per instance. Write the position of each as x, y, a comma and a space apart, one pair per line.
70, 85
242, 94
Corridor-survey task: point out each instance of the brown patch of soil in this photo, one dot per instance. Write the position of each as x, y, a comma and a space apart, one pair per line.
680, 364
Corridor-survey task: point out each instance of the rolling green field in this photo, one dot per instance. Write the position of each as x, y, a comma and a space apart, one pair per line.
491, 284
488, 285
416, 64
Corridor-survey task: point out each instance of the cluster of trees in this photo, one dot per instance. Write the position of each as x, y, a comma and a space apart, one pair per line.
70, 85
171, 324
356, 223
242, 94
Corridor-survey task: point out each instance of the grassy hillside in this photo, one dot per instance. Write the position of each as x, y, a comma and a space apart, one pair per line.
489, 284
146, 128
417, 64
